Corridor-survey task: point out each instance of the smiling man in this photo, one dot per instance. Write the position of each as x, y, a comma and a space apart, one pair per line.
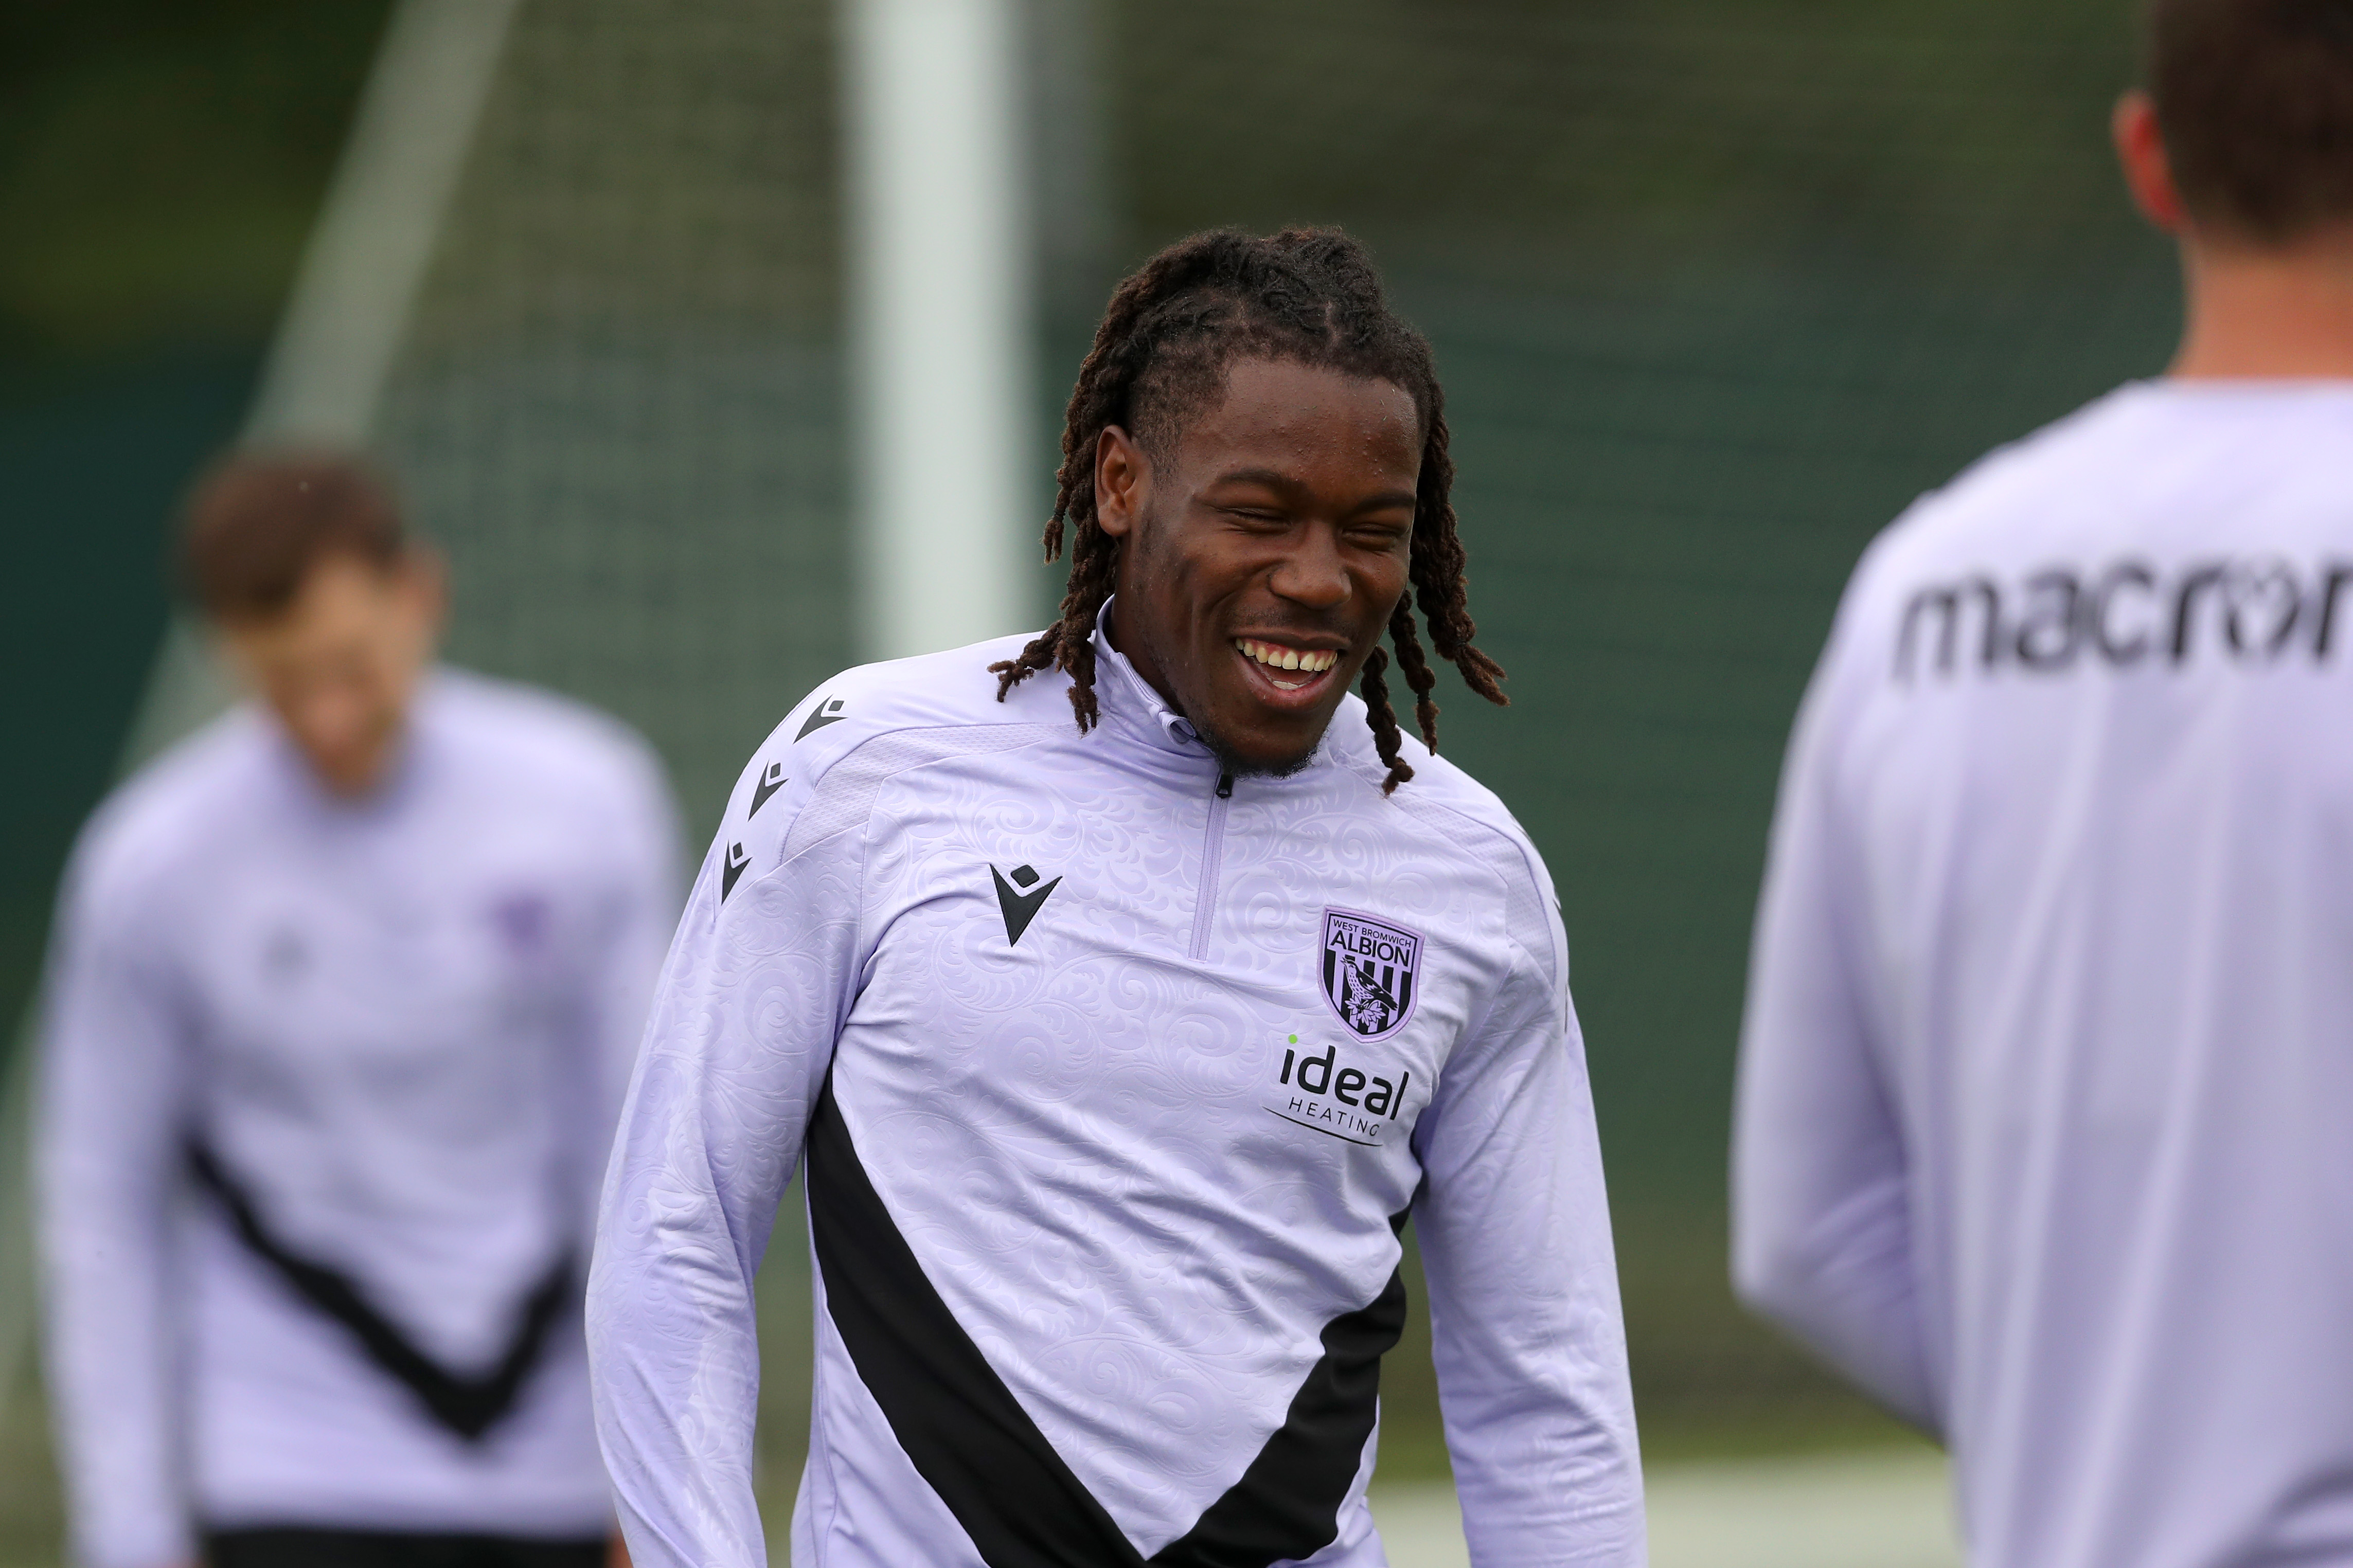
1121, 1051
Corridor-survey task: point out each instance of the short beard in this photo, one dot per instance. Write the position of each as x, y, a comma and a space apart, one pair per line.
1236, 767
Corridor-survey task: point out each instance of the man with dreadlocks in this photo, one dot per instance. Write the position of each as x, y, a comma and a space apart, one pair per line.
1120, 1050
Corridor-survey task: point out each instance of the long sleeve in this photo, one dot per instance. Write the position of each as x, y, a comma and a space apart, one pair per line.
744, 1017
110, 1118
1822, 1233
1526, 1329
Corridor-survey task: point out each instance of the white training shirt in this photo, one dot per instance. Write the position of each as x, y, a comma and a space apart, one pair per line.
405, 1026
2042, 1131
1113, 1091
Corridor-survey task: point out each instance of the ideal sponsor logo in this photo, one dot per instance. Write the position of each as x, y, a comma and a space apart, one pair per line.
2255, 611
1332, 1096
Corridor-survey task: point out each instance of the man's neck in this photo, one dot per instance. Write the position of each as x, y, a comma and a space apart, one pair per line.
2274, 314
1142, 659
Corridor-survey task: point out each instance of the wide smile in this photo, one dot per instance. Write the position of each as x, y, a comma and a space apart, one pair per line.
1284, 673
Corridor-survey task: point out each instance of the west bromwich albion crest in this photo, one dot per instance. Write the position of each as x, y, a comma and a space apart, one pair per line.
1368, 969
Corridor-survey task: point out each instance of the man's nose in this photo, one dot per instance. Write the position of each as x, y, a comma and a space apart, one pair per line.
1312, 573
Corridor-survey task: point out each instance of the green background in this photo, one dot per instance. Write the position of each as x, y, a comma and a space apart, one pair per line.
1716, 285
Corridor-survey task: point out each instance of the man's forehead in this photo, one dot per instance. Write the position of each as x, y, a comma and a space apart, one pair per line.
337, 591
1370, 483
1274, 413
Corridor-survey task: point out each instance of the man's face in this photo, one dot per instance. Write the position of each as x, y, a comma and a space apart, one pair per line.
1262, 557
339, 665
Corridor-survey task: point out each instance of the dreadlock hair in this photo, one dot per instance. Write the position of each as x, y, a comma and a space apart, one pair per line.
1305, 295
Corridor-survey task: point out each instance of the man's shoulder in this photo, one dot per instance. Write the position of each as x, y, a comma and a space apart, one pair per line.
519, 748
172, 811
1439, 789
2068, 490
1465, 823
534, 730
874, 721
935, 690
2007, 499
1475, 820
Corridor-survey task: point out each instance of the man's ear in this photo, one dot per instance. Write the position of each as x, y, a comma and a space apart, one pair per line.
1122, 476
2149, 172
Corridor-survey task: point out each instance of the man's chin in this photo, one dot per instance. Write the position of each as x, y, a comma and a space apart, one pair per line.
1260, 764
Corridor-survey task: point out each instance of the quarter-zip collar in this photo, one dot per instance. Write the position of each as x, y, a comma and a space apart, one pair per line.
1130, 705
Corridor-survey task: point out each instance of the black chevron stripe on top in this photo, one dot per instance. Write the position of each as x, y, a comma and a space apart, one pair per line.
468, 1406
979, 1450
1287, 1503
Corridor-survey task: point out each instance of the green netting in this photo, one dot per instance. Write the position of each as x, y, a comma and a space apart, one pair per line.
1716, 287
618, 404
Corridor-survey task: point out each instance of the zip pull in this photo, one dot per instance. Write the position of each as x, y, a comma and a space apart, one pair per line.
1225, 786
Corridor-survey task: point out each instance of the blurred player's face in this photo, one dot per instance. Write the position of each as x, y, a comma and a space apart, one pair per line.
1261, 558
339, 665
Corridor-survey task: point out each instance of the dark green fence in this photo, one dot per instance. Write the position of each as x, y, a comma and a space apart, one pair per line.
1717, 286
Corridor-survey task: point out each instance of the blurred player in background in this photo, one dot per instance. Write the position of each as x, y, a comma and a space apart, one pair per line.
2043, 1124
343, 1000
1120, 1049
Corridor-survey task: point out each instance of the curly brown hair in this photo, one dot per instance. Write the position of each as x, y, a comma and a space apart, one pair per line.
1305, 295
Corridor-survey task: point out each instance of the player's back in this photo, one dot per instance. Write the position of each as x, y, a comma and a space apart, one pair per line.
2083, 735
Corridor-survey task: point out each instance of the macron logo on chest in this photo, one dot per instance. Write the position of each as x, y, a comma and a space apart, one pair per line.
1020, 908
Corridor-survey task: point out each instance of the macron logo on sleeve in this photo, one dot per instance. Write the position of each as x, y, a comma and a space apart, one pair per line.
826, 712
770, 783
737, 859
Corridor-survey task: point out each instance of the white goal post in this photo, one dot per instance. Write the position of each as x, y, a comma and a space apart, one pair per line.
940, 300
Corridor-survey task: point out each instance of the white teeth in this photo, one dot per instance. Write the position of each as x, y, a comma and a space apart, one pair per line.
1315, 662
